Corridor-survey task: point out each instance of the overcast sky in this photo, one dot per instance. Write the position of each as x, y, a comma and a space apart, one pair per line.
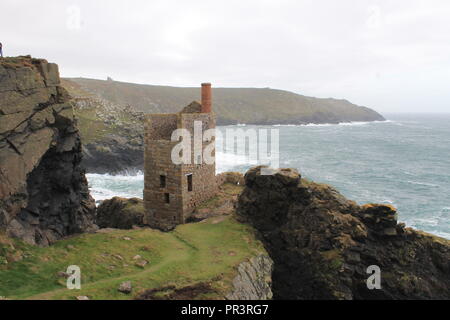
393, 56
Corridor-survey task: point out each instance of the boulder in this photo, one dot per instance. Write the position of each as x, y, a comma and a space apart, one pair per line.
120, 213
141, 263
125, 287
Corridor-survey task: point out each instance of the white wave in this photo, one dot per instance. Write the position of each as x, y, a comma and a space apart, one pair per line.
106, 186
419, 223
137, 176
362, 123
424, 184
356, 123
228, 161
320, 124
100, 194
350, 123
441, 234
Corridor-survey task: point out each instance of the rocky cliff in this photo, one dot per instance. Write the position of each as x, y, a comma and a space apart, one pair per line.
327, 247
120, 213
253, 280
44, 194
112, 135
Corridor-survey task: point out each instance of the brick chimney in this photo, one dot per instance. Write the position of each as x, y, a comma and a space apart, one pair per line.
206, 97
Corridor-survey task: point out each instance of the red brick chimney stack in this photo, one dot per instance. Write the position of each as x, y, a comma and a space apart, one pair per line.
206, 97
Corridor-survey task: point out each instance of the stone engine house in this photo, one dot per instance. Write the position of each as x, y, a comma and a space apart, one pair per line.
172, 191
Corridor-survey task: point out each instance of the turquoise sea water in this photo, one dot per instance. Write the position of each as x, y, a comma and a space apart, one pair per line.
404, 161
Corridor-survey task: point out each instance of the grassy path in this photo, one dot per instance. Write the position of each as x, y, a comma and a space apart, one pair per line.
172, 257
193, 253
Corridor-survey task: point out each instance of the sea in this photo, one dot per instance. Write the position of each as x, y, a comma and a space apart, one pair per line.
404, 161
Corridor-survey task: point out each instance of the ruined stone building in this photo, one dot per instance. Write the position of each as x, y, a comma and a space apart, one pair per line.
172, 191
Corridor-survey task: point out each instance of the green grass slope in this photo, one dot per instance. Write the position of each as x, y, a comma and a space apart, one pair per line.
98, 117
201, 254
232, 105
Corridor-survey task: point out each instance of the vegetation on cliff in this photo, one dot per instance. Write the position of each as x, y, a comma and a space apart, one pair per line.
120, 213
112, 135
232, 105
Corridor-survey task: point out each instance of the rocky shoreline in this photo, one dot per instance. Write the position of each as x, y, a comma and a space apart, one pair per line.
323, 244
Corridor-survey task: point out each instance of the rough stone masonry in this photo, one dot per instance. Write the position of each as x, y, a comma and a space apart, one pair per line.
172, 191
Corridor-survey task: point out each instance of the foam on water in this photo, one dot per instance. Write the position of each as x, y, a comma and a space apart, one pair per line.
106, 186
351, 123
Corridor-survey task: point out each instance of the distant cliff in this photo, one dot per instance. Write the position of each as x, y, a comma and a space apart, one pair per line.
232, 105
112, 135
322, 244
44, 194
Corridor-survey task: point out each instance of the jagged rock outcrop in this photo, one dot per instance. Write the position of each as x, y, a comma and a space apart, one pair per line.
120, 213
323, 244
44, 194
253, 280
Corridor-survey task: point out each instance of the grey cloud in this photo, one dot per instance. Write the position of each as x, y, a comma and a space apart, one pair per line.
388, 55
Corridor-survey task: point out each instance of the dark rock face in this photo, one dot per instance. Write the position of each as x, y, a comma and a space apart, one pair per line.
44, 193
112, 136
120, 213
112, 156
322, 244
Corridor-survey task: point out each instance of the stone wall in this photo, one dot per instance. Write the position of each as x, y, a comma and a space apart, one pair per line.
173, 204
157, 162
203, 175
160, 126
